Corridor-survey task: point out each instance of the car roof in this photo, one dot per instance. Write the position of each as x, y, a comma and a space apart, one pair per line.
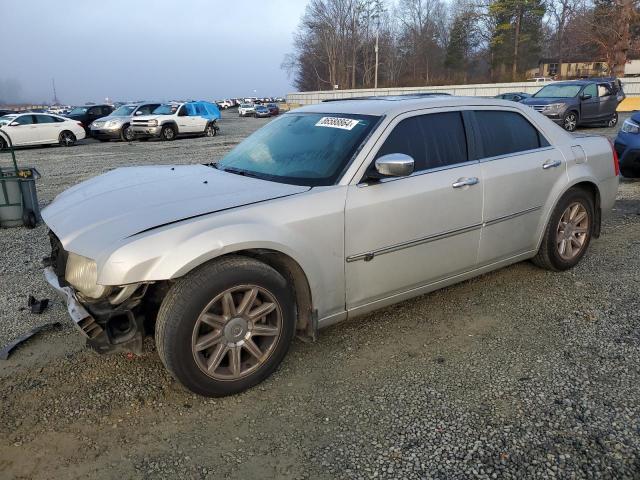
395, 105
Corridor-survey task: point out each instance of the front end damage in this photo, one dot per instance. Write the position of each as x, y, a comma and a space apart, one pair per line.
110, 324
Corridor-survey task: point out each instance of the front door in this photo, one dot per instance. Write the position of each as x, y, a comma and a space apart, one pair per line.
405, 232
519, 170
24, 132
590, 107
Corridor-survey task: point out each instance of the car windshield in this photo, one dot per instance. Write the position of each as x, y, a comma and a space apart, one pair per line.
7, 119
246, 105
309, 149
167, 109
78, 111
558, 91
123, 111
261, 108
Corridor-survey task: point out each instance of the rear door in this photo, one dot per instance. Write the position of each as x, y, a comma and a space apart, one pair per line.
608, 100
405, 232
519, 170
590, 107
47, 128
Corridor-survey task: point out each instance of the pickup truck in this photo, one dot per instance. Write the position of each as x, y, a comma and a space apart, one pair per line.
171, 120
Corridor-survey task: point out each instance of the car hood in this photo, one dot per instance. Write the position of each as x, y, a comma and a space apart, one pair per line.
97, 213
546, 101
149, 117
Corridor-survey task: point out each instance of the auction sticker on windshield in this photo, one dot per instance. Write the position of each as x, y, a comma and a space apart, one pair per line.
336, 122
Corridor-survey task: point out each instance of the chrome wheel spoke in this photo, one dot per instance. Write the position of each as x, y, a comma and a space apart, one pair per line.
216, 357
264, 330
261, 311
208, 340
213, 320
228, 306
247, 301
234, 361
252, 348
580, 217
562, 247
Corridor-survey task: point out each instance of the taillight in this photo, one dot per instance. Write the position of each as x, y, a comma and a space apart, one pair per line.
616, 163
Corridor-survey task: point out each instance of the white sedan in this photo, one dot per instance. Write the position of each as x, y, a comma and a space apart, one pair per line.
40, 129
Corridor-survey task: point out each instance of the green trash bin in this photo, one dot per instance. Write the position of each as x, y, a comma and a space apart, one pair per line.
18, 196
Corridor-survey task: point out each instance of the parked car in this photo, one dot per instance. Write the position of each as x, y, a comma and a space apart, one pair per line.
224, 104
273, 108
262, 112
246, 110
117, 125
171, 120
540, 79
627, 145
89, 113
6, 112
322, 215
40, 129
513, 96
578, 102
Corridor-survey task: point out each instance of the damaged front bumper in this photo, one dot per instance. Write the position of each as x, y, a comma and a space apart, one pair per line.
107, 328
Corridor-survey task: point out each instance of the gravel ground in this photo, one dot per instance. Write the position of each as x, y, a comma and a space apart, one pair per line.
520, 373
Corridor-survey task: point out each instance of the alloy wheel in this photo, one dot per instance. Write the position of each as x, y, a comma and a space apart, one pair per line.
572, 231
570, 122
67, 139
237, 332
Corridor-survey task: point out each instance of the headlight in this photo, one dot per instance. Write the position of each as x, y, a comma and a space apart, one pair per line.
82, 273
112, 123
554, 108
629, 126
153, 123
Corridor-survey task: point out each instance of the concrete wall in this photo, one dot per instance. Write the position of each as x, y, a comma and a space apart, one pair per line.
631, 88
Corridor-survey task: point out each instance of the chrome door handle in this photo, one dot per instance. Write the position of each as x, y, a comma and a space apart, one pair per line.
551, 164
465, 182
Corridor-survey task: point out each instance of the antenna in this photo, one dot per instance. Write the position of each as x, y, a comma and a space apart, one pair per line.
55, 95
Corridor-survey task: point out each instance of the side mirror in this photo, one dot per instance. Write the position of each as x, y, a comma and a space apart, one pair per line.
585, 96
138, 112
395, 165
14, 124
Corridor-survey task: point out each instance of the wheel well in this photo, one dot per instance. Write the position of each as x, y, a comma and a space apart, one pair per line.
306, 326
592, 189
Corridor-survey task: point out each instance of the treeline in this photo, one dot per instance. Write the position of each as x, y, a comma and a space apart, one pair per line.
429, 42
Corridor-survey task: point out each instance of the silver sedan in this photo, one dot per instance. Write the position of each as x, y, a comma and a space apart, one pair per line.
327, 212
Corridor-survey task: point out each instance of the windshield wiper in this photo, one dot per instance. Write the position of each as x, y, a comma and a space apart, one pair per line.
238, 171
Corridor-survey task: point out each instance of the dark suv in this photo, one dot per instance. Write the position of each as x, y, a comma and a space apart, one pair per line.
579, 102
88, 113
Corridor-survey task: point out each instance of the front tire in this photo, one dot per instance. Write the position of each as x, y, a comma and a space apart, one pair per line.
168, 133
67, 139
126, 134
570, 121
226, 326
568, 232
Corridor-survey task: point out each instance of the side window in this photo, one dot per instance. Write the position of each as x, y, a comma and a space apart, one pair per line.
604, 90
58, 119
591, 90
200, 110
106, 110
95, 111
433, 140
191, 109
45, 119
25, 120
502, 133
183, 111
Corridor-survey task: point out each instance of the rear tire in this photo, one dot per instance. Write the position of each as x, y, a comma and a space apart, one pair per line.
568, 232
210, 130
168, 133
243, 345
67, 139
613, 121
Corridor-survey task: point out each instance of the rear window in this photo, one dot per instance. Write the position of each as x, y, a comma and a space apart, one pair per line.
504, 133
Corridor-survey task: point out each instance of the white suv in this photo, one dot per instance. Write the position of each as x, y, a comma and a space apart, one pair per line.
173, 119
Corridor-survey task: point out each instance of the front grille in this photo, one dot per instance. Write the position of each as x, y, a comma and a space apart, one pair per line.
537, 108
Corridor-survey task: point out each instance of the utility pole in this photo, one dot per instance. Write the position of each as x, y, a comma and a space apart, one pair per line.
375, 81
55, 95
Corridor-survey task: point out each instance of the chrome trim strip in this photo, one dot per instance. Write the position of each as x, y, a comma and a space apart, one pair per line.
368, 256
411, 243
510, 216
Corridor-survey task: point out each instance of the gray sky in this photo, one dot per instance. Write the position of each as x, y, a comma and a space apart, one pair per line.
145, 49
